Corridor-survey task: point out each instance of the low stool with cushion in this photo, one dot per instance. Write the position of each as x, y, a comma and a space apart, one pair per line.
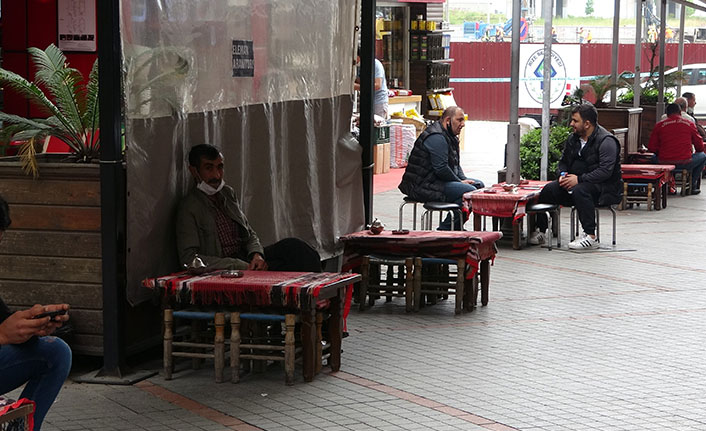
435, 277
273, 347
197, 347
16, 415
260, 348
683, 180
397, 282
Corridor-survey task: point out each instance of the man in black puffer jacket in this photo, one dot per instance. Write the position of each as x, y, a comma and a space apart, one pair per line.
590, 176
433, 172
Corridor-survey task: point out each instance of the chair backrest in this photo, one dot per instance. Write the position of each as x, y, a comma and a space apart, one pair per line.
620, 134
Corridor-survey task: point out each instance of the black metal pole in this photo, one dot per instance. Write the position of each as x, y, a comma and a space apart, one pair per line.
367, 87
113, 199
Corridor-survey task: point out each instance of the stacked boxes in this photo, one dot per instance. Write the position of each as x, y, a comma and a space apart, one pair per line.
381, 150
402, 137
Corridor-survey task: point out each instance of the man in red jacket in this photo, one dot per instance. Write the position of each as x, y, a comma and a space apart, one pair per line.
676, 141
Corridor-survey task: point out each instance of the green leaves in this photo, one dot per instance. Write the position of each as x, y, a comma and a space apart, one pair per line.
72, 106
531, 151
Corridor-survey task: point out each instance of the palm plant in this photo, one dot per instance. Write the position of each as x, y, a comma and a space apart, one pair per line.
603, 84
71, 106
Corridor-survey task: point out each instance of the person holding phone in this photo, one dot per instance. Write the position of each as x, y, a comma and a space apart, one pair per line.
590, 163
28, 353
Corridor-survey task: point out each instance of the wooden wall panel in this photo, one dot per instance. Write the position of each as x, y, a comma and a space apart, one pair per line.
87, 344
24, 293
50, 192
61, 218
37, 268
87, 321
60, 244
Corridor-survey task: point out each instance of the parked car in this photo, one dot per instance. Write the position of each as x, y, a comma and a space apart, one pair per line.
694, 82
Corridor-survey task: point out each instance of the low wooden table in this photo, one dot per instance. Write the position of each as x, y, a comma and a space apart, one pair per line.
657, 176
270, 291
496, 202
476, 248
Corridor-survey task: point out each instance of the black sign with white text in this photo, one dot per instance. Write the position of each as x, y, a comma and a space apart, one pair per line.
243, 58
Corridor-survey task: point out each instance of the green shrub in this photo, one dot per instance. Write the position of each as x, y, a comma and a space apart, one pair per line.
531, 151
648, 96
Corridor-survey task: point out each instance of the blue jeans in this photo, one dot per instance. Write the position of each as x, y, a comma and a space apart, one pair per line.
696, 166
453, 192
43, 363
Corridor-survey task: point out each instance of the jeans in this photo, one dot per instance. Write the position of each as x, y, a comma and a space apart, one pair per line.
453, 192
584, 197
43, 363
695, 166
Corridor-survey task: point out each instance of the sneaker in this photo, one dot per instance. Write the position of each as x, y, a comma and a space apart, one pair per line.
585, 242
536, 238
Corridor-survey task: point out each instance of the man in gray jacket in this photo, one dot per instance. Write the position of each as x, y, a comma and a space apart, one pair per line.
590, 176
211, 224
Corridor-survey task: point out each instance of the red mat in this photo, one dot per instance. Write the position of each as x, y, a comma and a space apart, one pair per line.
388, 181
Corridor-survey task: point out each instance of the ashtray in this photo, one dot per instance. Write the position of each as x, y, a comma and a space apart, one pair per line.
524, 182
509, 187
400, 232
232, 274
490, 191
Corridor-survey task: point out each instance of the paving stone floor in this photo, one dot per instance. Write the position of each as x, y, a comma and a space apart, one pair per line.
607, 340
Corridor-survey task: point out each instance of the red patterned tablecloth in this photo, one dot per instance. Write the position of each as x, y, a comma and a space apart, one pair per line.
474, 247
257, 288
496, 202
20, 422
661, 173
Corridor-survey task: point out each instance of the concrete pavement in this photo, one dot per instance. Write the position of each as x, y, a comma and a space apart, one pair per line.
605, 340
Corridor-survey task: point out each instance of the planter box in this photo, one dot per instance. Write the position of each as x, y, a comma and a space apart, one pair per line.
623, 118
52, 251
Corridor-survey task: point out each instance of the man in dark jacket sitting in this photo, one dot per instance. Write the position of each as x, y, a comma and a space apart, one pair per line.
590, 176
434, 171
29, 355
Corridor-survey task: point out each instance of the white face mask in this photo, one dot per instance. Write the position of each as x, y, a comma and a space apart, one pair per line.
208, 189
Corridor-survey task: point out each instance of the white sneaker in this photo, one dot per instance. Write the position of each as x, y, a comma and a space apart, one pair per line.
536, 238
585, 242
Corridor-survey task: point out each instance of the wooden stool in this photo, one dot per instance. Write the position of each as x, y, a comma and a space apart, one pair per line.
442, 283
398, 281
217, 346
683, 179
17, 416
639, 193
272, 352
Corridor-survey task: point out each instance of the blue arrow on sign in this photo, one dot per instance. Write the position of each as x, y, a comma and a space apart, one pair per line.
539, 73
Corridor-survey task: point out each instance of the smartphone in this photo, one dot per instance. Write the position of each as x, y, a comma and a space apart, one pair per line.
51, 314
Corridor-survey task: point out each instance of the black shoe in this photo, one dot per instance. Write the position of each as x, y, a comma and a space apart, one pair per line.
344, 334
695, 192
